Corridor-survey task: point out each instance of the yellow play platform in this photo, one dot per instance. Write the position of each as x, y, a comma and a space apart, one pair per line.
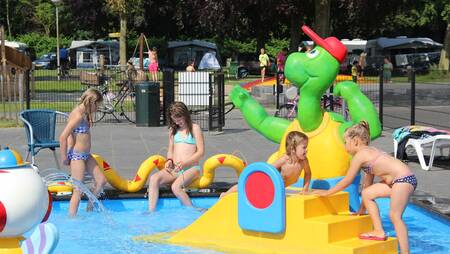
313, 225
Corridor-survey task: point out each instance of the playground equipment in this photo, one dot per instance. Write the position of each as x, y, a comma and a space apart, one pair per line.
263, 217
274, 220
147, 166
157, 161
313, 72
24, 204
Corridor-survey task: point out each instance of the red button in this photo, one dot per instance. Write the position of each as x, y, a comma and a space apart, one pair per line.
260, 190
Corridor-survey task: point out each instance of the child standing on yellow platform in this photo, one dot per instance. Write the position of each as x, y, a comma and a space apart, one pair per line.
397, 182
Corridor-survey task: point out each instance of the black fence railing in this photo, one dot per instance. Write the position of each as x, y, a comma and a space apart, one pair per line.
408, 101
48, 91
203, 93
286, 99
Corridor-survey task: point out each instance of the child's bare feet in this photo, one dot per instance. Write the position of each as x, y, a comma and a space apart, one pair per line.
374, 235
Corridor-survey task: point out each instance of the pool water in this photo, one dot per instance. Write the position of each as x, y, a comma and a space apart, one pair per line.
112, 231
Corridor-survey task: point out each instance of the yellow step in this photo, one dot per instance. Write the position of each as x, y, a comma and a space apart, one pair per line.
332, 228
309, 206
358, 246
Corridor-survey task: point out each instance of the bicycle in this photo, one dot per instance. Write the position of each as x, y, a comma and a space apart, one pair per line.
123, 101
290, 108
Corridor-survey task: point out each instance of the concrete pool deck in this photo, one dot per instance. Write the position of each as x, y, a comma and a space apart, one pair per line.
125, 146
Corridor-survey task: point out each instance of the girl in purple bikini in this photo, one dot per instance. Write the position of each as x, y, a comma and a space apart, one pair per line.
75, 143
397, 182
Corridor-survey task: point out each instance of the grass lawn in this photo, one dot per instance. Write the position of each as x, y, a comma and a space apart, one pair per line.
431, 77
60, 86
62, 106
5, 123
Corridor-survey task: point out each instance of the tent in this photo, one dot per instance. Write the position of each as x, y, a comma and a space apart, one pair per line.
181, 53
209, 62
86, 54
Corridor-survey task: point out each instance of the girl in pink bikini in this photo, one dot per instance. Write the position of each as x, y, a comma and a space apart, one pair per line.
397, 182
153, 66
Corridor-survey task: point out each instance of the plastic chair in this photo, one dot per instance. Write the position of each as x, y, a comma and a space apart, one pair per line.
40, 128
435, 142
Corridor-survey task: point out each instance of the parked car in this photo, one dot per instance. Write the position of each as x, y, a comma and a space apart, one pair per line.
249, 64
47, 61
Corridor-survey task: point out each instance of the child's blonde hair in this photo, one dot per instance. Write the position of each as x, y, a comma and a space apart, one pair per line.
293, 139
360, 130
176, 110
88, 99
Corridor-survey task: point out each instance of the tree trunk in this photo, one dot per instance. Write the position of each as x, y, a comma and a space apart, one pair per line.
123, 40
322, 17
7, 18
295, 33
444, 63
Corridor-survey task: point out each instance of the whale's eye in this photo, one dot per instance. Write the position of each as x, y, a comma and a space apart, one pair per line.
313, 53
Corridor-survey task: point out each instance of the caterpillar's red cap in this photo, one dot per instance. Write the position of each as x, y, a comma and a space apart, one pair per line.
330, 44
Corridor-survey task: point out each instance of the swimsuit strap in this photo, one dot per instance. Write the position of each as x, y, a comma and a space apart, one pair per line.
369, 168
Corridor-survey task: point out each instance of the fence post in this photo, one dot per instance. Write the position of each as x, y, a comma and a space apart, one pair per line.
168, 90
380, 103
222, 101
331, 98
279, 88
27, 89
413, 96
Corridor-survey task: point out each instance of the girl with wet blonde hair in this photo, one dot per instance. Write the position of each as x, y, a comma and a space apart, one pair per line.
397, 182
75, 143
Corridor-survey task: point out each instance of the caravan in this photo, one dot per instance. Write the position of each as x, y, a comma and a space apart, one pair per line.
354, 49
419, 53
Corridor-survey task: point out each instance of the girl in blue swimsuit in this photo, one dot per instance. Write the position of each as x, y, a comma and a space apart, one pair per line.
397, 182
75, 143
186, 148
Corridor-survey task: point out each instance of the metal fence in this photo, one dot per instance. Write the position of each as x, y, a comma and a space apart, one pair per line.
407, 101
13, 82
369, 84
48, 91
202, 92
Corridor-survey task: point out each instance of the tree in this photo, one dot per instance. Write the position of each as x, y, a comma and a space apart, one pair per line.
123, 8
322, 17
45, 16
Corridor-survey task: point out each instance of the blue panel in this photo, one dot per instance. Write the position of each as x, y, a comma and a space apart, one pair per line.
325, 184
271, 219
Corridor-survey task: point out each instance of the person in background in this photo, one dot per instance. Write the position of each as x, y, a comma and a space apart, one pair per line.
264, 63
355, 71
64, 61
281, 59
153, 66
190, 67
387, 70
362, 63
